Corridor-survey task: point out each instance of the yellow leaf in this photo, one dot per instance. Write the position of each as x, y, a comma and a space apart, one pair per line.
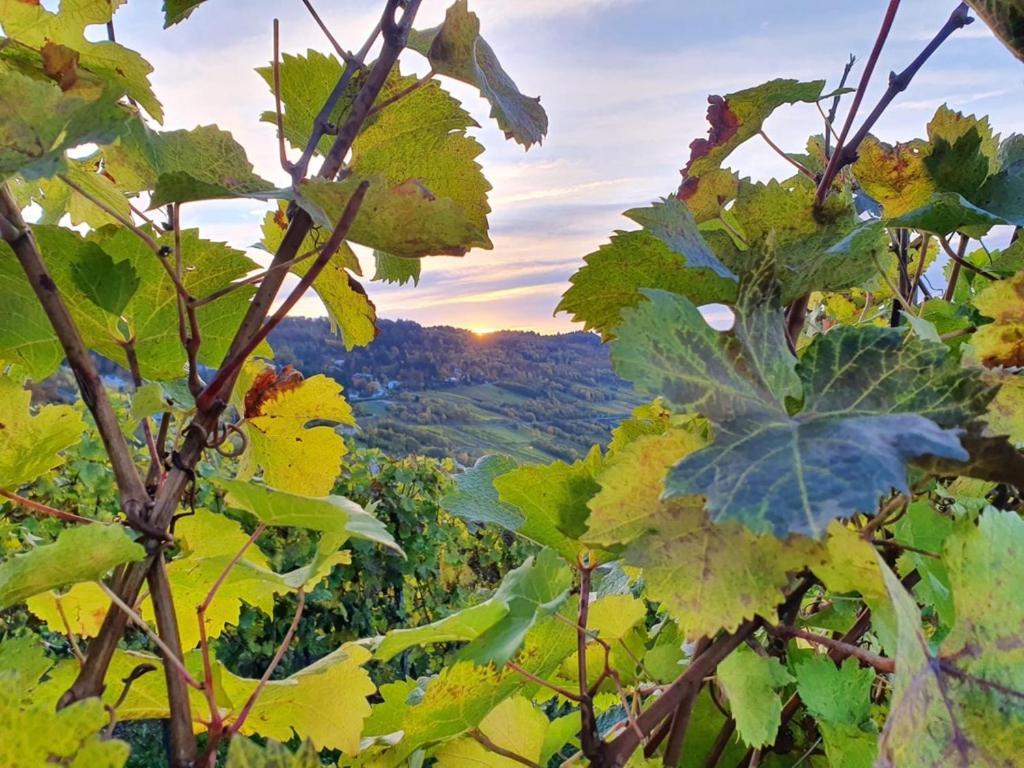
515, 725
84, 605
281, 443
1001, 343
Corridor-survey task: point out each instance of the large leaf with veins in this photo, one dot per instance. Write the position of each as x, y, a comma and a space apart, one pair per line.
873, 401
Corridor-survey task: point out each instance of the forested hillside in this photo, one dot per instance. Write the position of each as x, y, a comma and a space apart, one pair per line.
450, 392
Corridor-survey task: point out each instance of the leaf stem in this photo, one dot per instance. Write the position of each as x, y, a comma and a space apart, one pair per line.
489, 745
44, 509
802, 169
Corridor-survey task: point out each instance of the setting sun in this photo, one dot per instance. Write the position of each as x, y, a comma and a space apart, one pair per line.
481, 331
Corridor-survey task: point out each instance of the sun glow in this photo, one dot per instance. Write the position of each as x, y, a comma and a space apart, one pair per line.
481, 330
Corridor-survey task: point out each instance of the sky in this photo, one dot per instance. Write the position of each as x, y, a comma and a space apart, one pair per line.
625, 84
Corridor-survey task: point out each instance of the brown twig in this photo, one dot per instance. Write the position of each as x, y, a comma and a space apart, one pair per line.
189, 333
847, 153
565, 692
830, 119
835, 160
94, 394
347, 57
880, 663
590, 738
229, 370
69, 633
252, 279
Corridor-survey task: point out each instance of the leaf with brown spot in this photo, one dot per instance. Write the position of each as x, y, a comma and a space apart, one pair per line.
60, 64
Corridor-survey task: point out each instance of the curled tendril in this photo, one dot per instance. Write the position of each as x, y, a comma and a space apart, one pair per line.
229, 448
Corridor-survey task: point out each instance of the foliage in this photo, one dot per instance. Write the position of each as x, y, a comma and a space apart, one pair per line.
805, 549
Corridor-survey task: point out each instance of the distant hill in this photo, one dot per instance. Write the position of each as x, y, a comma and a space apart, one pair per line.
449, 392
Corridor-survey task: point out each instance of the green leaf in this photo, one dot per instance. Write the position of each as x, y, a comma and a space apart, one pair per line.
835, 694
408, 220
739, 116
246, 753
962, 705
751, 681
475, 499
79, 554
1003, 193
34, 733
205, 163
179, 10
329, 514
57, 199
31, 443
395, 269
945, 213
1006, 18
349, 309
776, 471
463, 694
612, 278
496, 627
456, 49
41, 122
32, 25
108, 284
553, 501
422, 137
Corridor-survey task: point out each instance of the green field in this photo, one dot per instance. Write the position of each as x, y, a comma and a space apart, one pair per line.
474, 420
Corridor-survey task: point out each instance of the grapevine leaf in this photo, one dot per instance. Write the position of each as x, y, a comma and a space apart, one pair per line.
515, 725
1001, 342
962, 705
246, 753
926, 530
671, 222
751, 681
553, 501
1003, 193
422, 137
782, 472
496, 627
56, 199
1006, 411
205, 163
475, 499
280, 441
894, 175
456, 49
33, 26
34, 733
79, 554
31, 443
963, 152
711, 576
329, 514
737, 117
407, 220
632, 483
945, 213
850, 566
324, 702
835, 694
275, 226
1006, 18
41, 121
108, 284
83, 605
306, 85
613, 276
179, 10
395, 269
463, 694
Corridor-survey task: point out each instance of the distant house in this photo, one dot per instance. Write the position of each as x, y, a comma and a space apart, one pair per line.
394, 385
